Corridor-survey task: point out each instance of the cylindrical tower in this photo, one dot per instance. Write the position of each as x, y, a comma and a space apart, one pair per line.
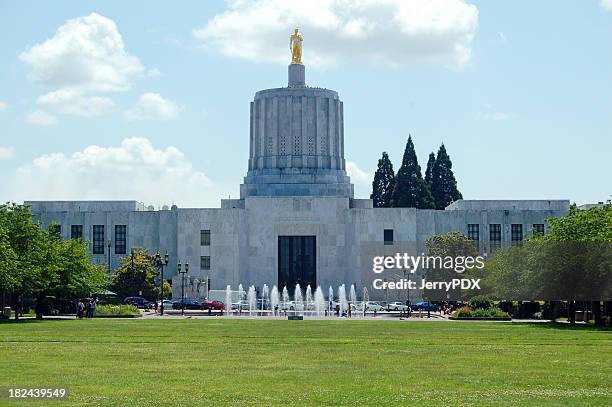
297, 142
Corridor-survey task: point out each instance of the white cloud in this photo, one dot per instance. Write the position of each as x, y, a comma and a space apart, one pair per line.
358, 176
3, 106
72, 102
86, 54
152, 106
41, 118
153, 73
6, 153
134, 170
606, 4
393, 31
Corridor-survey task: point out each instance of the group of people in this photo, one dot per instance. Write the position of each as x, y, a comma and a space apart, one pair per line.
86, 308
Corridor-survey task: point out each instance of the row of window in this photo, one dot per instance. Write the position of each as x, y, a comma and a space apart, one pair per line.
76, 232
495, 233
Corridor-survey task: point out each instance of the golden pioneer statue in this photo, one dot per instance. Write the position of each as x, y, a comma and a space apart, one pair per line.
295, 45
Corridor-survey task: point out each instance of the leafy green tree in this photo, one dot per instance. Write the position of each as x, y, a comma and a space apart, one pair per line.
41, 263
443, 182
429, 171
410, 189
454, 245
138, 274
384, 182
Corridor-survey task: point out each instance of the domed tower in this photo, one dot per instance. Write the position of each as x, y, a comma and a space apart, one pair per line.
297, 140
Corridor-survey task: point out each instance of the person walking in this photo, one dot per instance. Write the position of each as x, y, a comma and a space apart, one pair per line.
80, 309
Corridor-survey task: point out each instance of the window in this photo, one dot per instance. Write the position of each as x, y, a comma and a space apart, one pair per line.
55, 231
120, 239
388, 236
98, 239
76, 231
205, 263
538, 229
474, 231
516, 234
205, 237
495, 236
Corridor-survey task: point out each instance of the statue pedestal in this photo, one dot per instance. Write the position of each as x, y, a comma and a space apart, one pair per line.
297, 75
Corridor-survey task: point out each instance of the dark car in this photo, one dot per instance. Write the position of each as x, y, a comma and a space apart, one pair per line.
213, 305
189, 304
138, 302
425, 306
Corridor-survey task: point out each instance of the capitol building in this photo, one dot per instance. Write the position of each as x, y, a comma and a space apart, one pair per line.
297, 219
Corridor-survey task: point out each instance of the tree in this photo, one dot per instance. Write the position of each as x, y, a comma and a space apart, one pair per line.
571, 263
384, 182
410, 189
443, 183
137, 277
584, 255
429, 171
453, 245
41, 264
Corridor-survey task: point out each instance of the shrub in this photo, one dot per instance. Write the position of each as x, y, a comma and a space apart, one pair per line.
116, 310
481, 302
467, 312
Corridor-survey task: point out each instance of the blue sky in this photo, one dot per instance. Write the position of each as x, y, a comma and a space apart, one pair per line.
520, 93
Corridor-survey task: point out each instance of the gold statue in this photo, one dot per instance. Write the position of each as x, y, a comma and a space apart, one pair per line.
295, 45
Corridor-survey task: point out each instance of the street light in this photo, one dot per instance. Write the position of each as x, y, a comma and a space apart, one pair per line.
109, 258
160, 262
183, 285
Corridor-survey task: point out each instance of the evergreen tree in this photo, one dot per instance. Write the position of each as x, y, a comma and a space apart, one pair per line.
428, 171
410, 189
443, 183
384, 182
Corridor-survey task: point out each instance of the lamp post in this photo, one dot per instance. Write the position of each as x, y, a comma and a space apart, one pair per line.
161, 262
109, 259
183, 285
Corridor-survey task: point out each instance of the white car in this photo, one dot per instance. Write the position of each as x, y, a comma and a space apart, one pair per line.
167, 304
370, 306
397, 306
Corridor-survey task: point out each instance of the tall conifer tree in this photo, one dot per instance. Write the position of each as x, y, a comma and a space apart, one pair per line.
410, 188
384, 182
428, 171
443, 184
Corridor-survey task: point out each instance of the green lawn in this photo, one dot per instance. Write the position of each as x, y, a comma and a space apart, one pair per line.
254, 362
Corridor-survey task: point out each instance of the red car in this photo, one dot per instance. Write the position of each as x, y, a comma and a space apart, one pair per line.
213, 305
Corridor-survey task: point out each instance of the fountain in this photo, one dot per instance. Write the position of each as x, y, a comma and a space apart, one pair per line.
240, 298
228, 300
274, 300
264, 299
331, 299
319, 301
366, 299
299, 302
285, 297
309, 300
252, 296
342, 299
353, 295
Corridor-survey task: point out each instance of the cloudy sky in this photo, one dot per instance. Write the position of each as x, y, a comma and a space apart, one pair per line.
149, 100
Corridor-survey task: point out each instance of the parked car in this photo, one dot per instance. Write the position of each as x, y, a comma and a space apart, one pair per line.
213, 305
244, 305
189, 304
167, 304
397, 306
138, 302
425, 306
370, 306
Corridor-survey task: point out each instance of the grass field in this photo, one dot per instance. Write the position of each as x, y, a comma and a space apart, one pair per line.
253, 362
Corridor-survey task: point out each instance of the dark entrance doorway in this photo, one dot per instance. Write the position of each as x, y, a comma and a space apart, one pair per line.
297, 262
